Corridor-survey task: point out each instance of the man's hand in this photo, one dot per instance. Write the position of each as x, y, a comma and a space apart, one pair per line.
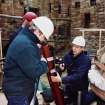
56, 78
62, 66
43, 59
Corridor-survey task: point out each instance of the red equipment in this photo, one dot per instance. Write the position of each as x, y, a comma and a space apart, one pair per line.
57, 95
29, 16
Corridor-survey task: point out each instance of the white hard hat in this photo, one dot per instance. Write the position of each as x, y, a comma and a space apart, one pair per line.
45, 25
79, 40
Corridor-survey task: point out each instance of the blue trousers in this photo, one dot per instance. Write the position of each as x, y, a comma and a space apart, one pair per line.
87, 97
18, 100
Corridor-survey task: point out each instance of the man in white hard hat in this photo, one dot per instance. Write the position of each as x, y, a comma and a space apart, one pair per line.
24, 64
77, 63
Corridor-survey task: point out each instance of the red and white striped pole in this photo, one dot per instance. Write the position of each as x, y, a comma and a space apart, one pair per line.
57, 95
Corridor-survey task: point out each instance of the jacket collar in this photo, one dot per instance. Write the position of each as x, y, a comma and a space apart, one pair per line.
30, 34
82, 53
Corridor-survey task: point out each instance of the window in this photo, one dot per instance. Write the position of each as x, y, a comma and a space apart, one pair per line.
3, 1
86, 20
57, 7
21, 3
32, 9
68, 11
49, 7
92, 2
77, 4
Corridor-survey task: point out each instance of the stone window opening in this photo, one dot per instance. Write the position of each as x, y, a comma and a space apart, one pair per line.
87, 20
77, 4
57, 7
49, 4
2, 1
92, 2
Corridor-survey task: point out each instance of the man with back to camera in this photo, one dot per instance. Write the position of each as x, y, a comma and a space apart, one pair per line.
24, 63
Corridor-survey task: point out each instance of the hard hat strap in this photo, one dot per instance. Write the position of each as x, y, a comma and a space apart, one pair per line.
35, 27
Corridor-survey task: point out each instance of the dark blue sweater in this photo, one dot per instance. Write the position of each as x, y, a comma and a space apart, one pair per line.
77, 70
23, 67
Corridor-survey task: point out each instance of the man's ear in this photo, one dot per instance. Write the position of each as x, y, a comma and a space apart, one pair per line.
83, 48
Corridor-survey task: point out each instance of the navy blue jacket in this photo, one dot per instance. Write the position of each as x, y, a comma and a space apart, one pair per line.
23, 67
11, 39
77, 71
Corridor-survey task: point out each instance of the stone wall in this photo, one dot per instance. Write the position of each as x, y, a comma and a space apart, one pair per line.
9, 25
69, 12
96, 20
57, 10
60, 11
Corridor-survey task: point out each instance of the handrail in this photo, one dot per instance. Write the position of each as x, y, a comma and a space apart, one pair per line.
10, 16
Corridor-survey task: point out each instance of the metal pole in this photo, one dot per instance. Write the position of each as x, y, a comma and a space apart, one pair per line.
100, 32
83, 33
1, 55
79, 97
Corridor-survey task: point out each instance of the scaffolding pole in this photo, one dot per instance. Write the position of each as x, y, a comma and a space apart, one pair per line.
1, 55
10, 16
